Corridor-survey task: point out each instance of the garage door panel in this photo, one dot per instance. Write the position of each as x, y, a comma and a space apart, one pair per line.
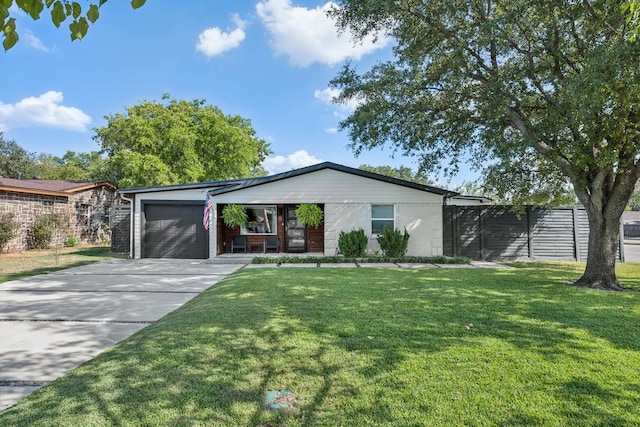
174, 231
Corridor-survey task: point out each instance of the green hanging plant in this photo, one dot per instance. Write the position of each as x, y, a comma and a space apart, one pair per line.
309, 214
234, 215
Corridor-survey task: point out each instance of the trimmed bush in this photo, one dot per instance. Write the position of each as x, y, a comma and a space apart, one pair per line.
42, 230
8, 227
71, 242
393, 242
353, 243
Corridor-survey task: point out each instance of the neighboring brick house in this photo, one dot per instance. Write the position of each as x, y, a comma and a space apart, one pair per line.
84, 206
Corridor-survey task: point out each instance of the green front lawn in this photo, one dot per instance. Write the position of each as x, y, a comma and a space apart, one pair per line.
38, 261
438, 347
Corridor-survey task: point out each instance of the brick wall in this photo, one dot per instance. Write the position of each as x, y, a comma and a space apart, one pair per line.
85, 216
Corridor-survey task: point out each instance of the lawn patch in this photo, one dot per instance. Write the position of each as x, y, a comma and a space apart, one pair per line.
15, 266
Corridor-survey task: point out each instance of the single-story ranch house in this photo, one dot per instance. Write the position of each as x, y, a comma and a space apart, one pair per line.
167, 220
83, 205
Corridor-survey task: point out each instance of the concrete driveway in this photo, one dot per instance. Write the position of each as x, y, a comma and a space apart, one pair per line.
50, 324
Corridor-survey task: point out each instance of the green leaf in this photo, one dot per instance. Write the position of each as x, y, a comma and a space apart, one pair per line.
10, 35
102, 2
48, 3
36, 9
93, 14
31, 7
77, 9
137, 3
6, 4
57, 14
79, 28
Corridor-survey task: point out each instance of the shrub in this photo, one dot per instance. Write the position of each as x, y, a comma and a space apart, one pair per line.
8, 228
71, 242
43, 228
393, 242
353, 243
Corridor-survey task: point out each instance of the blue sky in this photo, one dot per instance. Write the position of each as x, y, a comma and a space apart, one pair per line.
269, 61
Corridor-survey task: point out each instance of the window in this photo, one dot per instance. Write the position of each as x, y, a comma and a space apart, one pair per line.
260, 220
382, 216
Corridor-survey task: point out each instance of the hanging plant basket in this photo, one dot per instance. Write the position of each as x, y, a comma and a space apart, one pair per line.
234, 215
309, 214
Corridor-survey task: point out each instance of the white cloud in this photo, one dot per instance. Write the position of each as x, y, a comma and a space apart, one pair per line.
213, 41
299, 159
329, 95
45, 110
34, 42
309, 35
341, 111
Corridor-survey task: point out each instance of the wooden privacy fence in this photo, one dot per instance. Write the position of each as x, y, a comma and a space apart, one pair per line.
120, 228
496, 232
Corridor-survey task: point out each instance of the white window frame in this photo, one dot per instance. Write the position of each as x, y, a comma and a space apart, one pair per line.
392, 218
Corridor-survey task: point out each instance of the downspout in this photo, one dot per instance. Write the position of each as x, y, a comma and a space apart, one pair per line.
131, 220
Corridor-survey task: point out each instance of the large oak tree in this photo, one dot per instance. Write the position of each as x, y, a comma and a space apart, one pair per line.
178, 141
548, 89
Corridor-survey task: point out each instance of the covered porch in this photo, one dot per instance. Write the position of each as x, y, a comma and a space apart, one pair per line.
271, 230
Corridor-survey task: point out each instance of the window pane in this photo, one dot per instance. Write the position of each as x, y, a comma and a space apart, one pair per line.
377, 225
382, 211
260, 220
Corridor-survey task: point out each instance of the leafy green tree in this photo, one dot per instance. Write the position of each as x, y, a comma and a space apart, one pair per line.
537, 83
60, 11
401, 172
15, 160
178, 141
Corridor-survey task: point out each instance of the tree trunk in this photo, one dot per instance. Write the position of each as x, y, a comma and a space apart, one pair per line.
604, 241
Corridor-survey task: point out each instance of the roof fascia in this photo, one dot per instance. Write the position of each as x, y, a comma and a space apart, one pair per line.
34, 191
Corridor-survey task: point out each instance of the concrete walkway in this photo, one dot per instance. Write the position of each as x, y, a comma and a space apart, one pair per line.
50, 324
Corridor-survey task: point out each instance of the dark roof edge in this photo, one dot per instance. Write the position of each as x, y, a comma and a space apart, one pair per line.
222, 187
466, 197
173, 187
252, 182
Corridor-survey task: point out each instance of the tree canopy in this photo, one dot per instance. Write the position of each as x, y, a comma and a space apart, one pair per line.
401, 172
546, 93
178, 141
16, 162
60, 11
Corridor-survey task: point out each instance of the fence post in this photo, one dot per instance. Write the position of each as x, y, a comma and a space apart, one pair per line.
530, 232
455, 229
576, 235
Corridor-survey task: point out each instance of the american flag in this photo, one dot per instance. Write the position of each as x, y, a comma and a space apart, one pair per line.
207, 212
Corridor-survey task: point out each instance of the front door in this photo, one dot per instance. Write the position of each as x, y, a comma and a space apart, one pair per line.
295, 239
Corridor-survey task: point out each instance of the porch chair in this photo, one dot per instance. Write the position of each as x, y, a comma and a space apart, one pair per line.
272, 242
239, 242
